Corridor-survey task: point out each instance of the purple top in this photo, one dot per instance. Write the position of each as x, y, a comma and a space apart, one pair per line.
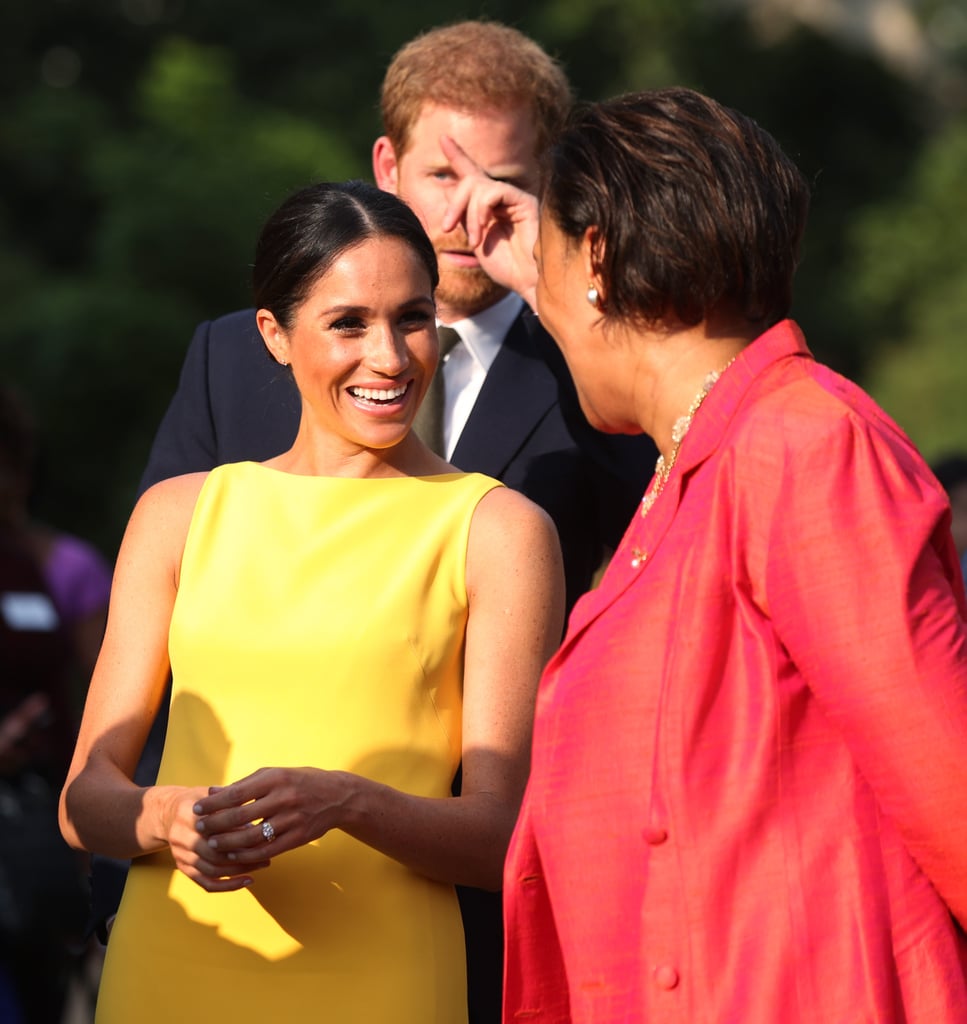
78, 577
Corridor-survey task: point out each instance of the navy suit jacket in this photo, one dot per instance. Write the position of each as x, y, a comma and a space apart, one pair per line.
235, 403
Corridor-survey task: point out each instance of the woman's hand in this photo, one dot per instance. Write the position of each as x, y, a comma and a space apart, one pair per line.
269, 812
193, 854
501, 222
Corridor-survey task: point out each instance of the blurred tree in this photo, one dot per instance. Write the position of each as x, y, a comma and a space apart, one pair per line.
168, 196
910, 284
614, 46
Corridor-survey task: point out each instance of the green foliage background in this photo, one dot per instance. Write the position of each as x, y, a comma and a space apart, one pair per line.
142, 143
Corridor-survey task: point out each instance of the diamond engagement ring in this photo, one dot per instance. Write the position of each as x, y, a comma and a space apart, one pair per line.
268, 833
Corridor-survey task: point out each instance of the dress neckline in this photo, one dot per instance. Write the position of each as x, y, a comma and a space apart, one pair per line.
370, 479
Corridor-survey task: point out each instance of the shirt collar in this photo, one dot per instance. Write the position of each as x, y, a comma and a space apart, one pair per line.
483, 333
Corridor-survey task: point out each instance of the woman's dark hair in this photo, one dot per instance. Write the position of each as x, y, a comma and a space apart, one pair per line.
695, 206
313, 227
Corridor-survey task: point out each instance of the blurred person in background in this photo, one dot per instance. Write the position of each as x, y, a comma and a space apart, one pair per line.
53, 599
77, 575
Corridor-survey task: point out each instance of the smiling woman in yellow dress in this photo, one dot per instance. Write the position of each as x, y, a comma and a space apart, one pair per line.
344, 624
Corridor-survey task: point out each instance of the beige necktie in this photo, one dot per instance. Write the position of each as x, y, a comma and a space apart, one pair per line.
428, 423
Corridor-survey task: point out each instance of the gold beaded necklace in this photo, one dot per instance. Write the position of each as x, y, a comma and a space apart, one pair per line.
663, 466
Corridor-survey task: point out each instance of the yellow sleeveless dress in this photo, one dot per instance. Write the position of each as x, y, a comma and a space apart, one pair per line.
319, 621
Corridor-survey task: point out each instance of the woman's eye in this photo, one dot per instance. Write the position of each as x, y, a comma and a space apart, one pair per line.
415, 320
347, 323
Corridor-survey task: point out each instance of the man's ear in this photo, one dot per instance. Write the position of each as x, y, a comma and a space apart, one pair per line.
274, 337
385, 165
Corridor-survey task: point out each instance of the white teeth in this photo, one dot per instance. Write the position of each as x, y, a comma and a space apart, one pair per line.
378, 394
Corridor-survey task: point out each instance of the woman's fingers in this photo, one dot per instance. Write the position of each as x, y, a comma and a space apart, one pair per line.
233, 819
216, 863
251, 845
237, 819
222, 878
500, 221
240, 792
258, 835
470, 176
483, 206
203, 864
269, 812
476, 198
228, 808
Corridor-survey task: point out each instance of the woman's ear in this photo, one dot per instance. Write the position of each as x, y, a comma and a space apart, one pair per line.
592, 255
276, 340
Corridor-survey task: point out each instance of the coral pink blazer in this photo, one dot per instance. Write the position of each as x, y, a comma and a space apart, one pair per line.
748, 800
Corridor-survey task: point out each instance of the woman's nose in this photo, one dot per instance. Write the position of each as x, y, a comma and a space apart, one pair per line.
389, 353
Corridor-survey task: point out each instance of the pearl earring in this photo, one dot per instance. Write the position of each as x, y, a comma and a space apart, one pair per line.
593, 297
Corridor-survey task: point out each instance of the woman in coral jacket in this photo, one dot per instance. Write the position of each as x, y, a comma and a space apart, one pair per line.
748, 798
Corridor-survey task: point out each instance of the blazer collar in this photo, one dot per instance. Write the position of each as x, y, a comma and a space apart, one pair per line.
516, 395
783, 341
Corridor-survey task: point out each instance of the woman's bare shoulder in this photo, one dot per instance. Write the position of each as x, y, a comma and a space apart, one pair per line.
508, 527
174, 494
165, 509
503, 506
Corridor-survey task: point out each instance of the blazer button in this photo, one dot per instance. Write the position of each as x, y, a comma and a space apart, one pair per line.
654, 835
666, 977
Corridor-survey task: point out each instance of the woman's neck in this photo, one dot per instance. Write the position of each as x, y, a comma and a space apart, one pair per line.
678, 371
326, 455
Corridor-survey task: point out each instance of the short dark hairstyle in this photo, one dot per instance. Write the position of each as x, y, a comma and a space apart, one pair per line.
314, 226
696, 207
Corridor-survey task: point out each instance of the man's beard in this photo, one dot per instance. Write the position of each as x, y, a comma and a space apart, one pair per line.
463, 290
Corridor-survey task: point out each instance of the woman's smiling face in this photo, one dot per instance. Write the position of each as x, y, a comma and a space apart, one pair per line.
363, 345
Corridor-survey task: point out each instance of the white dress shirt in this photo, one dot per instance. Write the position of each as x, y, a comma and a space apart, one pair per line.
465, 367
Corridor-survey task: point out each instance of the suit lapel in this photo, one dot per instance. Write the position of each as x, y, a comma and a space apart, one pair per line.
518, 392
